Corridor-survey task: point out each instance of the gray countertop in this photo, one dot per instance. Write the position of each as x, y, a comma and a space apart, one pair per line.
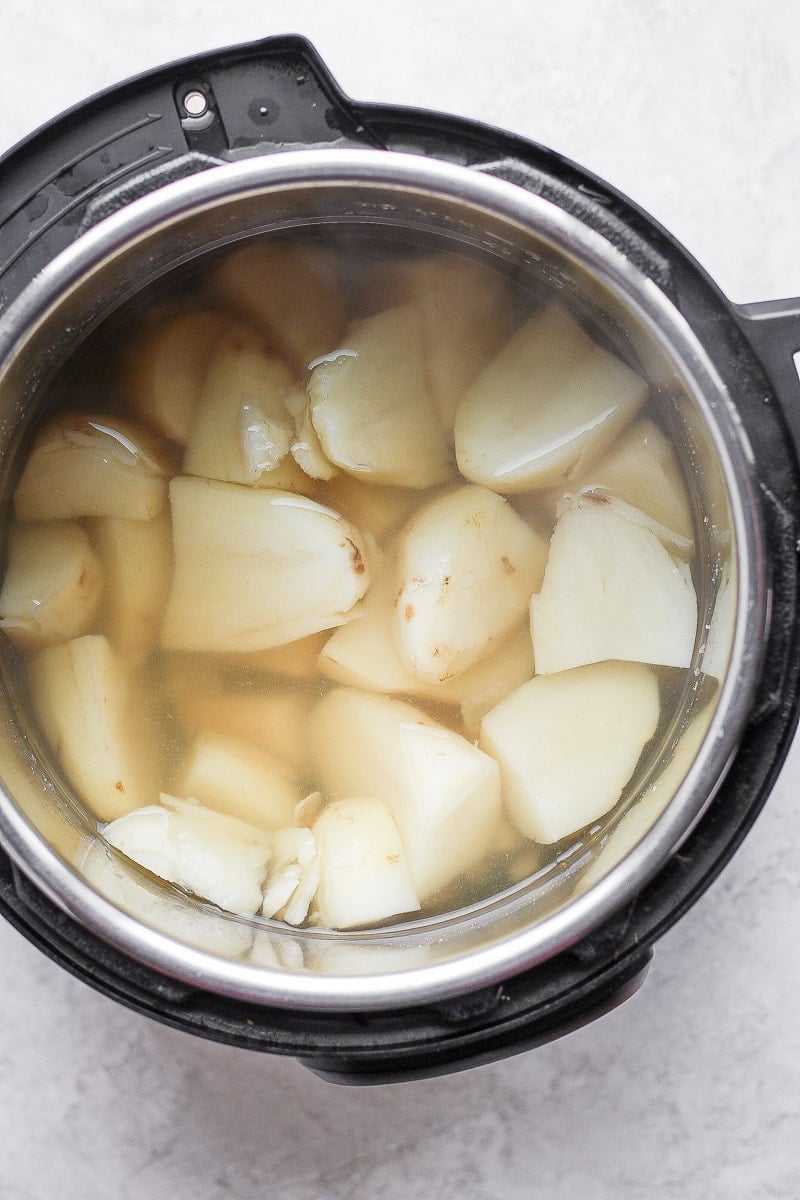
691, 1090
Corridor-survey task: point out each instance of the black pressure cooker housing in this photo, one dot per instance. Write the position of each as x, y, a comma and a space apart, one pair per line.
277, 95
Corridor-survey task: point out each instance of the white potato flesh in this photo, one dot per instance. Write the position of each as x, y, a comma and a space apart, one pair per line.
568, 743
363, 874
467, 566
372, 408
610, 591
291, 291
92, 711
52, 586
545, 408
256, 568
647, 809
272, 720
117, 878
232, 777
374, 509
165, 367
719, 636
241, 430
363, 654
466, 316
92, 466
137, 561
677, 545
213, 856
443, 793
306, 448
641, 469
293, 876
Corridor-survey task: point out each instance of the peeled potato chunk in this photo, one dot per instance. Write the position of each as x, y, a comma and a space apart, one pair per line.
255, 568
363, 875
443, 793
610, 591
641, 469
137, 561
92, 466
216, 857
291, 291
568, 743
165, 367
52, 586
376, 510
466, 315
237, 779
545, 408
90, 710
306, 448
241, 430
467, 566
293, 876
372, 408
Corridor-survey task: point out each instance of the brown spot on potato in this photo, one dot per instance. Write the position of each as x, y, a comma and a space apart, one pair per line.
356, 559
597, 497
408, 612
507, 565
119, 786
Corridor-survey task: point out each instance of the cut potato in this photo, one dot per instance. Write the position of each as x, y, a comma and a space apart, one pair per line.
610, 591
291, 291
272, 721
92, 712
466, 316
568, 743
255, 569
363, 654
242, 429
52, 586
239, 780
720, 629
641, 817
376, 510
293, 877
545, 409
467, 566
306, 449
443, 793
165, 366
641, 469
213, 856
677, 545
371, 406
137, 560
92, 466
363, 875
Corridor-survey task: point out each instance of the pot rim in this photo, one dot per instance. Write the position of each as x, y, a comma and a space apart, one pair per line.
413, 174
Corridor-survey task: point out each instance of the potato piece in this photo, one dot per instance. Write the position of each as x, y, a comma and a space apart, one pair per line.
568, 743
373, 509
720, 629
466, 316
489, 681
242, 429
52, 586
92, 713
216, 857
363, 875
272, 721
237, 779
92, 466
164, 369
646, 810
641, 469
372, 408
610, 591
467, 566
306, 449
255, 569
443, 793
137, 560
546, 408
290, 290
293, 877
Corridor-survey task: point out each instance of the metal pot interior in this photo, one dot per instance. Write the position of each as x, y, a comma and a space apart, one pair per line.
353, 200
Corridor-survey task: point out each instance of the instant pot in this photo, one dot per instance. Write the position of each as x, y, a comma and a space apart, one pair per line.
182, 162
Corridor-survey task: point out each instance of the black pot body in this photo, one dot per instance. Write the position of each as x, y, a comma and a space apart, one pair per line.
275, 95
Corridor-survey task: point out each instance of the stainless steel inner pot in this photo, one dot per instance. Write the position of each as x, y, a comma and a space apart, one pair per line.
43, 827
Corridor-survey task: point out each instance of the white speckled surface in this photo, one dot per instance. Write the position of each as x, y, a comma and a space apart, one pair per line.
691, 1091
